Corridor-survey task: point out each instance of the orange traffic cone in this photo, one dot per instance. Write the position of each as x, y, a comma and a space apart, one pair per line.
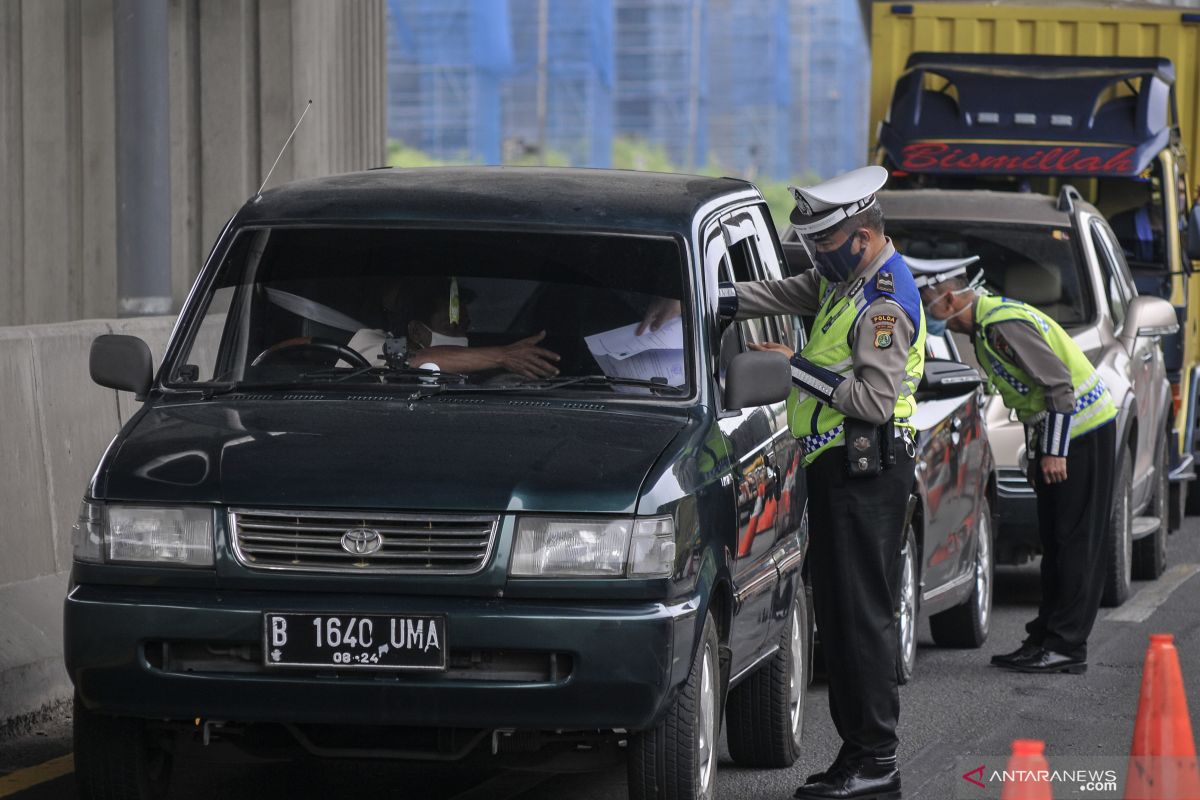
1029, 771
1162, 760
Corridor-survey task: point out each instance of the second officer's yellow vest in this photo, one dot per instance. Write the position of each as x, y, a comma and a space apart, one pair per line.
819, 426
1094, 405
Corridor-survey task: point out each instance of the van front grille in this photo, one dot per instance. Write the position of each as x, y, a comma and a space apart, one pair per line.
356, 542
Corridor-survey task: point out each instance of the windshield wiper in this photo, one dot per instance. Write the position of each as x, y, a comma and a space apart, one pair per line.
653, 384
384, 372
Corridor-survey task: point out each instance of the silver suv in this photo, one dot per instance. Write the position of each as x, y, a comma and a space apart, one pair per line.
1060, 255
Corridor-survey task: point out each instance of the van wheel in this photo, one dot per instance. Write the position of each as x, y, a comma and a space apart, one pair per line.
677, 760
765, 713
967, 625
1150, 552
906, 621
1119, 542
116, 758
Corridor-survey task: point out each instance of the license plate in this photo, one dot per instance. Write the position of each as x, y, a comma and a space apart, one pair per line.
347, 641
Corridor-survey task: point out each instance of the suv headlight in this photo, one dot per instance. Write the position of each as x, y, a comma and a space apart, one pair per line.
558, 547
180, 536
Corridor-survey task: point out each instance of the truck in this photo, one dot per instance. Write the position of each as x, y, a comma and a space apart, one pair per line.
1034, 98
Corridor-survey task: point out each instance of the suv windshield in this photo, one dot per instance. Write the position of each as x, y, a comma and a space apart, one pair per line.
456, 309
1038, 265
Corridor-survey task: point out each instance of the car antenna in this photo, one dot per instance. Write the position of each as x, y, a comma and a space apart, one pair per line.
258, 194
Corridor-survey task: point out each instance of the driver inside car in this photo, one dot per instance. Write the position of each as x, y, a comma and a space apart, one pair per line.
438, 320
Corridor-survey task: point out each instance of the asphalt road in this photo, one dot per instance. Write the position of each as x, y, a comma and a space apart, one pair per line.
957, 710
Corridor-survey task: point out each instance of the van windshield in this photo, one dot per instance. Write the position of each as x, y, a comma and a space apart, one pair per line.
468, 310
1037, 264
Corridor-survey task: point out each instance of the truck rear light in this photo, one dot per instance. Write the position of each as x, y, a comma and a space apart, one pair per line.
1176, 399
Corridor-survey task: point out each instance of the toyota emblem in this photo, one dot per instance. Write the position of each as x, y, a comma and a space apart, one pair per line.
361, 541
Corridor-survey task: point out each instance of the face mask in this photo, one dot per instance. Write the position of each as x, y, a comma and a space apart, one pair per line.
934, 326
837, 265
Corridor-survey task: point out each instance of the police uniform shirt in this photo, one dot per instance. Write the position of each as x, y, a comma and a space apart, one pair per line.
878, 369
1020, 343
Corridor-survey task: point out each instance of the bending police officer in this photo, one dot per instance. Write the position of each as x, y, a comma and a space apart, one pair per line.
1043, 375
854, 384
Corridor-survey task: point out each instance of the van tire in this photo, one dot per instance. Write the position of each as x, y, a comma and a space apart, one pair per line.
908, 607
1118, 543
765, 712
116, 758
662, 762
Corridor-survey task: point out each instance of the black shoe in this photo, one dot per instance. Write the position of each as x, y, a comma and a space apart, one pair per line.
1023, 651
1043, 660
861, 781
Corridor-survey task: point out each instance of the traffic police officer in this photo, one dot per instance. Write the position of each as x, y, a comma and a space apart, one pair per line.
1041, 373
854, 384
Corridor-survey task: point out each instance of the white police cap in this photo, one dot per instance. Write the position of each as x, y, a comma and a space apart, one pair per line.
932, 271
822, 206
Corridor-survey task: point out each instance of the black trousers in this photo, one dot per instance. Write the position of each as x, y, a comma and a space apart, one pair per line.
1073, 519
855, 536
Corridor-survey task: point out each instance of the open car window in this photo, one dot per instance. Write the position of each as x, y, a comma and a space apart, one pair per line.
288, 303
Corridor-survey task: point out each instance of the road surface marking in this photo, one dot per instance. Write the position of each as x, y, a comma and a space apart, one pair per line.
23, 779
1146, 602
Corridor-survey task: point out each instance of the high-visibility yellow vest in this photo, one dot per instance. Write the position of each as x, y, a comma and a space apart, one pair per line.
1094, 405
817, 425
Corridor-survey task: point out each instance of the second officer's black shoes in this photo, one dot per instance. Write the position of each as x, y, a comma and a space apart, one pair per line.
1043, 660
867, 780
1023, 651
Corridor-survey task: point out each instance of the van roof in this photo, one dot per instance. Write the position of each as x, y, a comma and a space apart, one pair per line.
570, 197
939, 205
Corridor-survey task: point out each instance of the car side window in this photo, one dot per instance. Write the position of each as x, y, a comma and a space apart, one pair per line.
1115, 286
782, 328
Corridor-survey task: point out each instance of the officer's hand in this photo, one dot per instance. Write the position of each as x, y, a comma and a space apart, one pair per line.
772, 347
524, 357
1054, 469
660, 312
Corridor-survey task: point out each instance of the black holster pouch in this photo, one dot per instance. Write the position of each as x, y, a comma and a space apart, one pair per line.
864, 456
870, 449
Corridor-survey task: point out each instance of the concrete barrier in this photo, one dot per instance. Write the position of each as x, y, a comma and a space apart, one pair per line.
55, 426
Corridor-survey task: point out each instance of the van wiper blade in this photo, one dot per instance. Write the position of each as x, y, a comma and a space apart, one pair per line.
385, 372
653, 384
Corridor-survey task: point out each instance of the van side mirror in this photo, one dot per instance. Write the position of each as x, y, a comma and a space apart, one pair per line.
1193, 242
123, 363
1148, 316
948, 378
757, 378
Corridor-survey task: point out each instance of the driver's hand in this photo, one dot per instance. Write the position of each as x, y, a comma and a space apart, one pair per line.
661, 311
772, 347
525, 358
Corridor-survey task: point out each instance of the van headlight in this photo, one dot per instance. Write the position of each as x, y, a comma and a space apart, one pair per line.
178, 535
559, 547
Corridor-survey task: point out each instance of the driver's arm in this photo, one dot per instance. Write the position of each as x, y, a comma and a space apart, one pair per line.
523, 357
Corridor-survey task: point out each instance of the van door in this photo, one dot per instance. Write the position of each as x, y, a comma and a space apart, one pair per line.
749, 441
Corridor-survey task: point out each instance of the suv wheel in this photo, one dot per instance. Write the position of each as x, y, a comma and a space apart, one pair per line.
765, 713
677, 760
1119, 543
966, 625
906, 622
1150, 552
116, 758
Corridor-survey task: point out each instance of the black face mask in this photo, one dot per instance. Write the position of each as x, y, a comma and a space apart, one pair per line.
837, 265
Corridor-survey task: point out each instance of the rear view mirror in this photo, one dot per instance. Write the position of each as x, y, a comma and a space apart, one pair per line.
757, 378
1193, 242
123, 363
946, 378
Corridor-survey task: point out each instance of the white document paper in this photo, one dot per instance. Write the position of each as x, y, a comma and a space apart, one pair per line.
621, 353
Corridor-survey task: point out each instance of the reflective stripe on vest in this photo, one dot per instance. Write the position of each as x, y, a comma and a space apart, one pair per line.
1094, 405
818, 426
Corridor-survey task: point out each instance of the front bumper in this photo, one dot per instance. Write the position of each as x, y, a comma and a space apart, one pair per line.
1017, 531
617, 663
